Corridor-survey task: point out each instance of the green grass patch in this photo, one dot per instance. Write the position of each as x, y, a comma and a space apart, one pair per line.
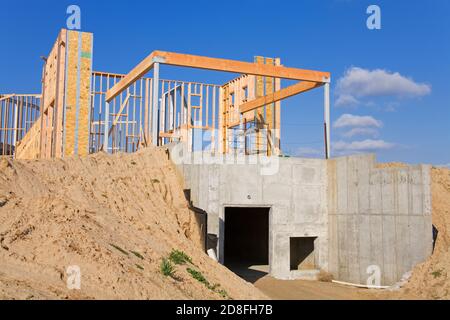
223, 293
137, 254
179, 257
437, 273
119, 249
197, 275
167, 268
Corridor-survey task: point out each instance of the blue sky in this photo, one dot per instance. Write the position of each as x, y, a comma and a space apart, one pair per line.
390, 87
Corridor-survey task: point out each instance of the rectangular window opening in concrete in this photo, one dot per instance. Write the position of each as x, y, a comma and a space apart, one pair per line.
302, 255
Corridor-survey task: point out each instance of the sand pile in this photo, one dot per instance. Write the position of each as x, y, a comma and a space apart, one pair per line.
431, 280
113, 216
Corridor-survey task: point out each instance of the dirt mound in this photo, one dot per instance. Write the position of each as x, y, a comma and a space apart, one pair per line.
431, 280
390, 165
115, 217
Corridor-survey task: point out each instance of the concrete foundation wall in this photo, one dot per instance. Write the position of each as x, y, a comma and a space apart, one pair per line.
361, 215
295, 191
378, 217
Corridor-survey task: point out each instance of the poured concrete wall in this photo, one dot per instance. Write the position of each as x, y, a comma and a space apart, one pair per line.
377, 217
361, 215
294, 189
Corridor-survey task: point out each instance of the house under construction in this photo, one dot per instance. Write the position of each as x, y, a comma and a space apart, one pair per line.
295, 216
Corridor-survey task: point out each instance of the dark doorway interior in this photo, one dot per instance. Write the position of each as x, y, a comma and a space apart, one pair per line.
246, 240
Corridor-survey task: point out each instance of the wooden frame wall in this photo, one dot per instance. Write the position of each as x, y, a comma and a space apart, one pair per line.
188, 109
66, 91
18, 113
273, 71
53, 79
66, 128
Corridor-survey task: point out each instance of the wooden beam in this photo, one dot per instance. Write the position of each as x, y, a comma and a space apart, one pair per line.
200, 62
7, 96
187, 60
279, 95
142, 68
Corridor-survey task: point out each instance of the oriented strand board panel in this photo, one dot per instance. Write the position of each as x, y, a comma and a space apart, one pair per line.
259, 113
267, 116
277, 116
77, 93
270, 107
84, 94
269, 89
241, 90
71, 92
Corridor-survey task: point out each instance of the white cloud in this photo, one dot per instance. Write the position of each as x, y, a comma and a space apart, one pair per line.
365, 145
349, 120
359, 82
361, 132
346, 100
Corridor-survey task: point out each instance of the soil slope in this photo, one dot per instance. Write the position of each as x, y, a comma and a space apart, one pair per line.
431, 280
115, 217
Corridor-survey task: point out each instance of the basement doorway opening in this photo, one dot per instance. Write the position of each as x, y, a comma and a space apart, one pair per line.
246, 249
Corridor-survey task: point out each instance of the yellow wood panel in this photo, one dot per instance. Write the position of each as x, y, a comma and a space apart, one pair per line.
71, 93
269, 107
269, 89
78, 89
277, 124
84, 97
259, 113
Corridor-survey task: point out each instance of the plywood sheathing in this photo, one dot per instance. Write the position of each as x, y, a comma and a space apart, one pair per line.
77, 93
71, 92
85, 93
259, 113
269, 82
277, 120
66, 90
265, 117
